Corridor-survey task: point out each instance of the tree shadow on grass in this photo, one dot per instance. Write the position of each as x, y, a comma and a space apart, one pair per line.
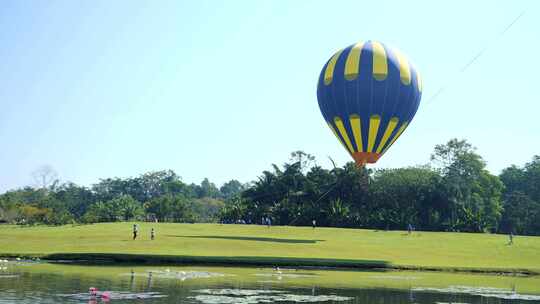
156, 259
249, 238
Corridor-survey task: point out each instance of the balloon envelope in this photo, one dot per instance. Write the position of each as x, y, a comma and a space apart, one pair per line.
368, 94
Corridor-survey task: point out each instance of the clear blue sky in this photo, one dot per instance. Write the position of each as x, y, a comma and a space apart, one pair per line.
222, 89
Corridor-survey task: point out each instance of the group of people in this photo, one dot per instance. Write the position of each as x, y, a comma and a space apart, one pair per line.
265, 220
410, 229
136, 232
268, 222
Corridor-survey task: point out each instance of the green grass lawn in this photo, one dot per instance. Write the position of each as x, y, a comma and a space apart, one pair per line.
288, 245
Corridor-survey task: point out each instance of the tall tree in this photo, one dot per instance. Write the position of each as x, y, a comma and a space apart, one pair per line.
305, 160
474, 195
45, 177
208, 189
231, 188
522, 198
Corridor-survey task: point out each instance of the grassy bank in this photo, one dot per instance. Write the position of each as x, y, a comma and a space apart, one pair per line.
286, 246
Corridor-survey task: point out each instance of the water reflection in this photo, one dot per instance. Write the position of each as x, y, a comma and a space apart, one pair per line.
149, 284
65, 284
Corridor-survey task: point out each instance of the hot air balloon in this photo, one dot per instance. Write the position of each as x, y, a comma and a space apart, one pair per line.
368, 94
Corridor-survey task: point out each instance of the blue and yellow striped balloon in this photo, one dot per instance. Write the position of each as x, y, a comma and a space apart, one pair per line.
368, 94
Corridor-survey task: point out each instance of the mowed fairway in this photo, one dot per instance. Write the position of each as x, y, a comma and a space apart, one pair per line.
250, 242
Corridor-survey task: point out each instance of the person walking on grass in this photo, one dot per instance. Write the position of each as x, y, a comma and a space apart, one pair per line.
511, 238
314, 223
135, 231
152, 234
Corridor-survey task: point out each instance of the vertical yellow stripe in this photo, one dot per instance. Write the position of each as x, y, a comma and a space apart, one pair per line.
389, 129
337, 135
357, 131
329, 72
380, 66
404, 69
352, 65
400, 130
374, 122
343, 132
419, 81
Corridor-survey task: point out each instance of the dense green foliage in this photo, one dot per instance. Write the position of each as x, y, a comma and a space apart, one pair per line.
152, 196
454, 193
522, 198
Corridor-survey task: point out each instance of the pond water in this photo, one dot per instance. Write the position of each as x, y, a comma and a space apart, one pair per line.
31, 282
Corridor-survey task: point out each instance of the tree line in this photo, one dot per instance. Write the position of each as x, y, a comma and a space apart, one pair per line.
454, 192
153, 196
